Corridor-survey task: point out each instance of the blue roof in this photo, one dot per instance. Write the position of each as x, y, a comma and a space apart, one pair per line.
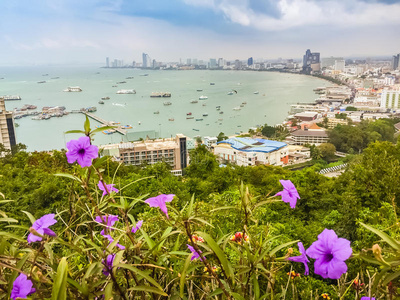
253, 145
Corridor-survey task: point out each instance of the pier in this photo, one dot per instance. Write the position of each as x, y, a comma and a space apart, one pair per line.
104, 122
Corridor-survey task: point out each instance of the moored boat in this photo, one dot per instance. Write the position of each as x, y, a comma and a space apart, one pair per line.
105, 98
194, 101
203, 97
101, 102
73, 89
126, 92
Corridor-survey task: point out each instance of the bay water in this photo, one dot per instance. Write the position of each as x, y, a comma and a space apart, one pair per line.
268, 96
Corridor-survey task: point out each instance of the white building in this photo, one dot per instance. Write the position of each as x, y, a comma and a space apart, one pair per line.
7, 128
339, 65
390, 99
250, 152
210, 140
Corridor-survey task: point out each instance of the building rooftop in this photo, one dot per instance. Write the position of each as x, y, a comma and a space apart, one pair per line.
310, 133
253, 145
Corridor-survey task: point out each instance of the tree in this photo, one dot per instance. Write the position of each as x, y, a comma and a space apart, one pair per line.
342, 116
268, 131
221, 136
351, 108
327, 151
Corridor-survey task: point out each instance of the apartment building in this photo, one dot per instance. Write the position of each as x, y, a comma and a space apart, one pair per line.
390, 98
7, 128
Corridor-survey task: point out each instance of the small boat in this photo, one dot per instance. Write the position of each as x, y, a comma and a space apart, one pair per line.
203, 97
189, 118
204, 104
156, 112
171, 119
126, 126
237, 108
45, 74
256, 92
144, 75
126, 92
41, 81
195, 129
194, 101
205, 114
109, 131
212, 83
221, 112
189, 114
199, 90
73, 89
139, 123
121, 82
105, 98
129, 77
241, 105
101, 102
220, 119
199, 119
167, 103
218, 106
230, 93
114, 85
244, 102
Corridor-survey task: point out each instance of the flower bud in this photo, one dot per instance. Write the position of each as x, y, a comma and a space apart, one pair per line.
34, 232
377, 251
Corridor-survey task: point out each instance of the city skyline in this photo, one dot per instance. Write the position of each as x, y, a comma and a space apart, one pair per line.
70, 31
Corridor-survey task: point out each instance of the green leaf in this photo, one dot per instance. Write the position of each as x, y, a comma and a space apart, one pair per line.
68, 176
141, 273
60, 284
8, 220
183, 275
102, 129
99, 161
190, 208
49, 252
149, 289
237, 296
75, 131
218, 251
86, 125
216, 292
393, 243
108, 292
31, 218
390, 278
12, 236
276, 249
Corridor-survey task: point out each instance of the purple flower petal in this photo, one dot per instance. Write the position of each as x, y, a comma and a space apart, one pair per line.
301, 258
22, 287
108, 220
367, 298
160, 201
195, 254
49, 232
289, 193
82, 151
110, 239
137, 226
110, 188
108, 264
41, 226
329, 253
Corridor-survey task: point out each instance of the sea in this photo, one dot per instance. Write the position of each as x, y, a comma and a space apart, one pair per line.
246, 98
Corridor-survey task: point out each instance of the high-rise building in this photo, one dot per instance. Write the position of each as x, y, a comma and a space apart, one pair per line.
390, 99
107, 62
189, 61
213, 63
220, 62
146, 60
328, 62
396, 61
250, 61
7, 128
311, 62
339, 65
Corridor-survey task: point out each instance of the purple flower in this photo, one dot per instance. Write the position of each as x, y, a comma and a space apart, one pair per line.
110, 188
82, 151
22, 287
195, 253
160, 201
109, 220
289, 193
137, 226
301, 258
41, 226
108, 264
367, 298
110, 239
329, 253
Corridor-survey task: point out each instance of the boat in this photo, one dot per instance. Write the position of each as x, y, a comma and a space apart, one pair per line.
199, 90
54, 77
237, 108
73, 89
144, 75
221, 112
167, 103
241, 105
203, 97
244, 102
105, 98
114, 85
230, 93
171, 119
139, 123
126, 92
205, 114
109, 131
199, 119
204, 104
160, 94
129, 77
119, 104
194, 101
220, 119
101, 102
121, 82
156, 112
212, 83
195, 129
42, 81
11, 97
189, 114
189, 118
256, 92
126, 126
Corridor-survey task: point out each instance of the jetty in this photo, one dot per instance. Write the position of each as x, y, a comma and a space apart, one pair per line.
104, 122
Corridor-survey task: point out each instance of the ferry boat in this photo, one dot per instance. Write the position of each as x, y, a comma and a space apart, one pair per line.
11, 97
73, 89
105, 98
167, 103
203, 97
160, 94
194, 101
101, 102
126, 92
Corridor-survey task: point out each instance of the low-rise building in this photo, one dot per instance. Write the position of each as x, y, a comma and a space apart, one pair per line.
210, 140
7, 128
333, 122
306, 116
250, 152
171, 150
309, 136
298, 153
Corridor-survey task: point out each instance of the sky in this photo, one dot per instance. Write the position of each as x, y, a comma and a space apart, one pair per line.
38, 32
